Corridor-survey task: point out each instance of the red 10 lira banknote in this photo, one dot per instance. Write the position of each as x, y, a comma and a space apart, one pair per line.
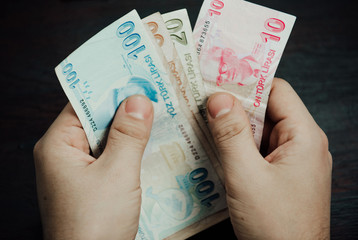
240, 45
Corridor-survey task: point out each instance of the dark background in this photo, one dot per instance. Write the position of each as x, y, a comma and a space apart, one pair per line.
320, 61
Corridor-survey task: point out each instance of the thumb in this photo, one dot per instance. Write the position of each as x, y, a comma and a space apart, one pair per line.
231, 130
128, 136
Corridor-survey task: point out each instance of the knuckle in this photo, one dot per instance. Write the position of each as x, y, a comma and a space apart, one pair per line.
38, 148
225, 130
318, 139
330, 160
322, 143
324, 139
130, 131
40, 152
282, 83
277, 80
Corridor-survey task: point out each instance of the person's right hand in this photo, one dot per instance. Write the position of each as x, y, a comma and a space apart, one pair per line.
286, 194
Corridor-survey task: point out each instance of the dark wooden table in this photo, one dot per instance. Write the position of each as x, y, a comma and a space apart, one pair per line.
320, 62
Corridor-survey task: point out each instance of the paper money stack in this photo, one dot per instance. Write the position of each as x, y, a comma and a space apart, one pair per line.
235, 47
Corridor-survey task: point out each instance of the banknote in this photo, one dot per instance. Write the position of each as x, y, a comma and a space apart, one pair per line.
179, 184
239, 45
178, 25
162, 37
180, 82
189, 108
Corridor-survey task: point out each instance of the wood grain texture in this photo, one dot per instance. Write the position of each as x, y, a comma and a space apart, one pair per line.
320, 62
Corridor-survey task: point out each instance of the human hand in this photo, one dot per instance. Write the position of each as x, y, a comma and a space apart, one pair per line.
286, 194
81, 197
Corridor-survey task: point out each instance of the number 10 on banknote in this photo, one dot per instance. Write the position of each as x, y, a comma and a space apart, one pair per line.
240, 45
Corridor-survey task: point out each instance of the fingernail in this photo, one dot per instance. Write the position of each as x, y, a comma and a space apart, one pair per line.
138, 107
220, 104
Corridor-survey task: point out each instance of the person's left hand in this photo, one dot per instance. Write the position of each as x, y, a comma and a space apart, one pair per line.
82, 197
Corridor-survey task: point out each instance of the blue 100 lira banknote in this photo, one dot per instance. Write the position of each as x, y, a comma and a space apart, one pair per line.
179, 184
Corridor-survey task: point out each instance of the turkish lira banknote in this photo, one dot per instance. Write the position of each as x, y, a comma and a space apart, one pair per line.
162, 37
166, 41
239, 45
178, 77
235, 47
178, 181
178, 25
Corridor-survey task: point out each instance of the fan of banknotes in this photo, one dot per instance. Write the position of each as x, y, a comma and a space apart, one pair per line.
235, 47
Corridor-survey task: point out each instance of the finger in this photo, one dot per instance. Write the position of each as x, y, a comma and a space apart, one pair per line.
63, 140
232, 133
128, 136
67, 118
291, 119
266, 133
67, 129
285, 104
